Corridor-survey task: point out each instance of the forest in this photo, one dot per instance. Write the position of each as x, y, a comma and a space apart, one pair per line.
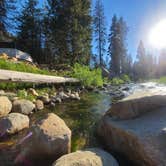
61, 33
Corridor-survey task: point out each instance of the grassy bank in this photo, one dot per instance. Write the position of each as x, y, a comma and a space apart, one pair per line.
87, 76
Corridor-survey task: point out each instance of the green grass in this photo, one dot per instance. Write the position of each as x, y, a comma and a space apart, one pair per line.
22, 66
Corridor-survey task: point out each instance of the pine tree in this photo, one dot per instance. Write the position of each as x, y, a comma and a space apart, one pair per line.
117, 47
29, 32
113, 48
127, 65
6, 7
70, 30
162, 63
124, 57
100, 30
151, 66
142, 66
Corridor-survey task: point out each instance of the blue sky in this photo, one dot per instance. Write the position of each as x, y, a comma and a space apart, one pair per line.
140, 15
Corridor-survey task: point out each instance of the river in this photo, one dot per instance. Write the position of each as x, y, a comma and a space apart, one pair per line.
80, 116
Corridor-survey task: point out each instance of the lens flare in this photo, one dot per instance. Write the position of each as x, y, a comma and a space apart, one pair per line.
157, 35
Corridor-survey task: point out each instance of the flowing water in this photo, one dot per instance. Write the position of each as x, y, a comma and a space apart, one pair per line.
80, 116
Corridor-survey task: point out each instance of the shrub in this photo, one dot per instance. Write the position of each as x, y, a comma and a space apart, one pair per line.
117, 81
24, 95
125, 78
87, 76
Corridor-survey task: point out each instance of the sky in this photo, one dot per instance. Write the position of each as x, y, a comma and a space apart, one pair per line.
141, 16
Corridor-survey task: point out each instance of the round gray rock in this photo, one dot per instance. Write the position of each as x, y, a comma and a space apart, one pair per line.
13, 123
90, 157
5, 106
23, 106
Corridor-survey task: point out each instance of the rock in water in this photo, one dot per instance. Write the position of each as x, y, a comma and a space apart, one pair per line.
13, 123
138, 104
5, 106
50, 139
90, 157
139, 140
23, 106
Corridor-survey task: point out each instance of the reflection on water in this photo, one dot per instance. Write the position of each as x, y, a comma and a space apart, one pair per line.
81, 117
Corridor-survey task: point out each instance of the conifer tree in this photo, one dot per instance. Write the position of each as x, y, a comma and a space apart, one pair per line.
117, 47
70, 30
100, 30
29, 32
6, 8
113, 48
142, 61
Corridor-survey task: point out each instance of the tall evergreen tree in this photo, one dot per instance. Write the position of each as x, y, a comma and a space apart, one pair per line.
70, 30
6, 7
29, 32
100, 30
142, 63
117, 46
113, 51
124, 57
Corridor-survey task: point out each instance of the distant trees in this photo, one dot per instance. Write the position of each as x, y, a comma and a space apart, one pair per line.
100, 30
147, 65
141, 67
120, 60
162, 63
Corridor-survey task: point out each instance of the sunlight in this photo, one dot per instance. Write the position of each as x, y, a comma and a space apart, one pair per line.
157, 35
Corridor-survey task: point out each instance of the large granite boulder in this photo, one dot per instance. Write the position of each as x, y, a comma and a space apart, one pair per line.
138, 103
13, 123
23, 106
89, 157
5, 106
50, 138
135, 128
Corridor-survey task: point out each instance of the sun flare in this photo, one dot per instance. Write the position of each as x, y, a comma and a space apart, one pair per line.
157, 35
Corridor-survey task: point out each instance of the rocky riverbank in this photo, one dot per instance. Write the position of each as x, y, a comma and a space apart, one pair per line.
48, 137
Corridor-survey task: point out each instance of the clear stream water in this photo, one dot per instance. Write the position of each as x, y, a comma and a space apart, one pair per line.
80, 116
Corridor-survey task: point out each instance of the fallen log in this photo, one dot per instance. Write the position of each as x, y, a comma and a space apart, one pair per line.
22, 77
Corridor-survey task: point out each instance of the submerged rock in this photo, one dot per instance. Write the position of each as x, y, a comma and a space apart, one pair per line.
23, 106
5, 106
13, 123
89, 157
50, 139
